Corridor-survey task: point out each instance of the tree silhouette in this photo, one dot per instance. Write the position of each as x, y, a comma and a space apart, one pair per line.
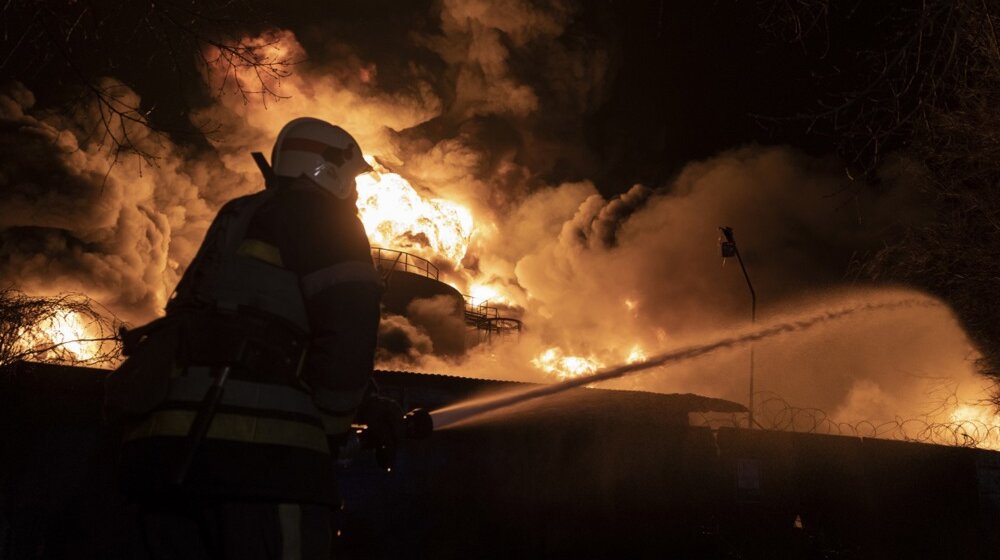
67, 329
919, 80
66, 51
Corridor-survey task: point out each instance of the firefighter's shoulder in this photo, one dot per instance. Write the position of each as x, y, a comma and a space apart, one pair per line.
320, 230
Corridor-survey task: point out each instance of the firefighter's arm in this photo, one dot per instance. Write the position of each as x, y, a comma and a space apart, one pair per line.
325, 243
343, 305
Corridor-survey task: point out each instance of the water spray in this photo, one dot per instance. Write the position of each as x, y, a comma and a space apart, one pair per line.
460, 412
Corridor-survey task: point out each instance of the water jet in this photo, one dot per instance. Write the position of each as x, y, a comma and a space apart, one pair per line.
473, 408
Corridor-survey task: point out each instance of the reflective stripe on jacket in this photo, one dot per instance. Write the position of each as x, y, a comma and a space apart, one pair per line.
250, 412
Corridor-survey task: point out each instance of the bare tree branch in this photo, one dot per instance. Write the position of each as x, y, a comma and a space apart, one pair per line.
78, 45
929, 90
67, 329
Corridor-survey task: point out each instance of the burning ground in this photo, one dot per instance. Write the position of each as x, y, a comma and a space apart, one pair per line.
471, 133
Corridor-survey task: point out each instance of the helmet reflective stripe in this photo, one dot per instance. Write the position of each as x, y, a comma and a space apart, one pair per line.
324, 153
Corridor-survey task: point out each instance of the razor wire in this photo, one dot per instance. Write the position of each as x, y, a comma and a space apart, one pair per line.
776, 414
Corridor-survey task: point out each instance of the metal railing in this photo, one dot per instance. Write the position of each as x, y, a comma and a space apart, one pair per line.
479, 311
391, 259
487, 320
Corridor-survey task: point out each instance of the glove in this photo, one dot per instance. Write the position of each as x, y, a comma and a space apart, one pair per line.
384, 419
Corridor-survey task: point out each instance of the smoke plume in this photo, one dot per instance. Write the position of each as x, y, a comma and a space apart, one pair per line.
74, 216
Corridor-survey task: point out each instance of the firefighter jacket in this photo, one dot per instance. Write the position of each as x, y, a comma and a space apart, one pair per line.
286, 276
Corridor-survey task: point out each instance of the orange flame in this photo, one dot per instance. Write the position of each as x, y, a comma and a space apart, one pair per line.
981, 420
555, 362
635, 355
397, 217
486, 294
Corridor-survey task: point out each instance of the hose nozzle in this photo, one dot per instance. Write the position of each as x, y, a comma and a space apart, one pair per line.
418, 424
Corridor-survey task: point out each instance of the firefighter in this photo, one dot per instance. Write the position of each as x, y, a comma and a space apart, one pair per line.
284, 299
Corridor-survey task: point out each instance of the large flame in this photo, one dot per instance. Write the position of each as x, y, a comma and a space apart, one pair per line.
397, 217
554, 362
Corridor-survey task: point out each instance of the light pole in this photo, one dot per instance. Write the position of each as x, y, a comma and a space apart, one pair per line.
729, 249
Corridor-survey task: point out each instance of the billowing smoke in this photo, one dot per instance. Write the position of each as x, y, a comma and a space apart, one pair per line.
400, 341
441, 317
487, 111
432, 327
609, 281
74, 217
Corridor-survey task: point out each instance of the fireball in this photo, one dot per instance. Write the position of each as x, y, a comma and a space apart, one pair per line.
396, 216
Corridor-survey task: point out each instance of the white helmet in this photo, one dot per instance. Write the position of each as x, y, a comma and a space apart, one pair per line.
324, 153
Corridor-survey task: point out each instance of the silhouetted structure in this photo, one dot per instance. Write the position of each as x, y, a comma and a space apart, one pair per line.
592, 474
411, 278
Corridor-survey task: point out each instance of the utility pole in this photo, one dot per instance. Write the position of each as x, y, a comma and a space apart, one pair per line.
729, 249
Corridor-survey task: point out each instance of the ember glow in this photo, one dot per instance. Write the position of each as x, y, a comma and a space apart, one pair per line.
483, 293
556, 363
63, 336
981, 422
635, 355
973, 413
396, 216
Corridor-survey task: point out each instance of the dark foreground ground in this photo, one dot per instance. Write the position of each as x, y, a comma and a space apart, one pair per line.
593, 474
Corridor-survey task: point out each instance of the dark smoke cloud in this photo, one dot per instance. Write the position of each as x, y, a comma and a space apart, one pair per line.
400, 341
443, 319
432, 326
600, 228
